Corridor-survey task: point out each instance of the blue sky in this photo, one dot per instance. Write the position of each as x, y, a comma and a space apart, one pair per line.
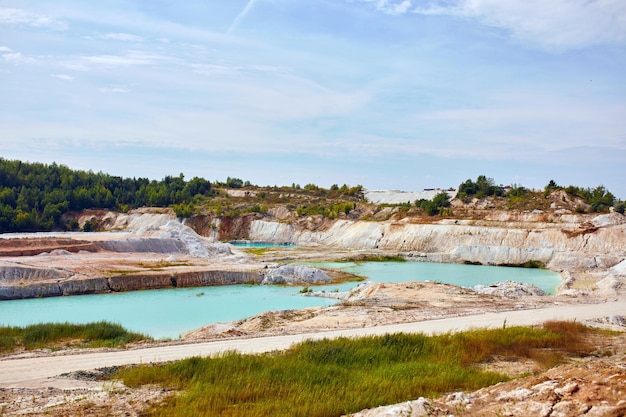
390, 94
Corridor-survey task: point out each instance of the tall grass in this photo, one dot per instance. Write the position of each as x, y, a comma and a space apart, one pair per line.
335, 377
97, 334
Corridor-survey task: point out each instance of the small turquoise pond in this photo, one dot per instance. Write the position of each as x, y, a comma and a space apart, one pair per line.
249, 244
456, 274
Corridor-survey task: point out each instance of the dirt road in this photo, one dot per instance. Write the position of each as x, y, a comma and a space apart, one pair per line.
34, 372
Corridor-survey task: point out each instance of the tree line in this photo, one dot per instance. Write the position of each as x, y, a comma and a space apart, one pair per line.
34, 196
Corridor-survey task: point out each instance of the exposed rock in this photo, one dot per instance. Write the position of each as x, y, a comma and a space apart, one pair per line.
84, 286
139, 282
36, 290
609, 286
295, 274
509, 289
611, 219
419, 407
401, 197
222, 277
16, 274
138, 245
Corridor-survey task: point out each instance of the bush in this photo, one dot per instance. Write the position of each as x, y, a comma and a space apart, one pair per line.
90, 226
436, 205
483, 187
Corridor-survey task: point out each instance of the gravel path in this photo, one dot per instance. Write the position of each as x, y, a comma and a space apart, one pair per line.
34, 372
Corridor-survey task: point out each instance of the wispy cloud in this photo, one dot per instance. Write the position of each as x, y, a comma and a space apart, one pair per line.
24, 17
17, 58
131, 58
114, 90
557, 24
241, 15
63, 77
390, 7
124, 37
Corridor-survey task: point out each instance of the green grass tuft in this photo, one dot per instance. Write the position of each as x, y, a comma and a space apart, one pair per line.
98, 334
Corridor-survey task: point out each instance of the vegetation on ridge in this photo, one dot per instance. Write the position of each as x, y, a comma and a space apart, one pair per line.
336, 377
39, 197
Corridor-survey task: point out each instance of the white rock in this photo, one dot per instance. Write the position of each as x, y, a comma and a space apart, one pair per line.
287, 274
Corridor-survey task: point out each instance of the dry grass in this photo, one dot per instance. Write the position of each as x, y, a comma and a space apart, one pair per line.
335, 377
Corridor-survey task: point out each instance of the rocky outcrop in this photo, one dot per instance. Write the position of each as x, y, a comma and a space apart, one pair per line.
37, 290
498, 244
25, 282
139, 245
509, 289
208, 278
84, 286
31, 247
295, 274
19, 275
20, 284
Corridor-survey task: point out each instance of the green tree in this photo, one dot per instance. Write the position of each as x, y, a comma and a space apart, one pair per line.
234, 182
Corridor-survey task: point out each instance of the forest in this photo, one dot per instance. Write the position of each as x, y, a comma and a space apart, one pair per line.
34, 196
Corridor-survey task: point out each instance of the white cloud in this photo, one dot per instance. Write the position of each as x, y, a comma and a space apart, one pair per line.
390, 7
5, 49
125, 37
17, 58
114, 90
63, 77
129, 59
24, 17
554, 24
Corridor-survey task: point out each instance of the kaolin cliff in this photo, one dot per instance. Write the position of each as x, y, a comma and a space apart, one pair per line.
574, 245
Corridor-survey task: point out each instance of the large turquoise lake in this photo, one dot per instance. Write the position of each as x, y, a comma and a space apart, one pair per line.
169, 313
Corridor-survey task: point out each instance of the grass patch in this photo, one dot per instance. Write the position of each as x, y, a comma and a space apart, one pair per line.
375, 258
336, 377
52, 335
258, 251
533, 264
161, 264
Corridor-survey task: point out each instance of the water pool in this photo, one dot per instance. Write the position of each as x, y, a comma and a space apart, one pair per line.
169, 313
457, 274
250, 244
165, 313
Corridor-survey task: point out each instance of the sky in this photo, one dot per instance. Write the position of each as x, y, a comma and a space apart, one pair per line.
388, 94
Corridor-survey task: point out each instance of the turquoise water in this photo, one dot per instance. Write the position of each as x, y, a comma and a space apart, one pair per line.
461, 275
169, 313
166, 313
247, 244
